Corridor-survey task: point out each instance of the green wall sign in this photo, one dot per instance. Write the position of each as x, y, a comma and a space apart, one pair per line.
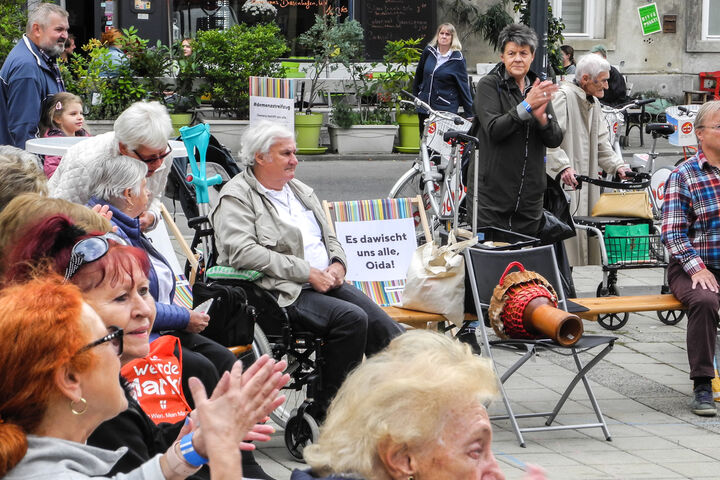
649, 19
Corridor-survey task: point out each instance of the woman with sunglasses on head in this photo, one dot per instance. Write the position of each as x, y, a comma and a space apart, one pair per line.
60, 368
121, 187
113, 279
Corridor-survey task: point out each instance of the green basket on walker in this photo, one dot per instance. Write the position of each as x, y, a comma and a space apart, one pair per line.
629, 243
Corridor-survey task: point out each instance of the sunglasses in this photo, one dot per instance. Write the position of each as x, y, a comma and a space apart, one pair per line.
154, 158
89, 250
115, 337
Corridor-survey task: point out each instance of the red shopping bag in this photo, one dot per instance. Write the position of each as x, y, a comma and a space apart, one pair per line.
157, 381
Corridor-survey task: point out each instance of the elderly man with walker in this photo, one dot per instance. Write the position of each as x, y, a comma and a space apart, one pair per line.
586, 147
691, 232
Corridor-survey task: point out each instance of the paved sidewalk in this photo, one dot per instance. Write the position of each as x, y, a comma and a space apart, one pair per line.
642, 387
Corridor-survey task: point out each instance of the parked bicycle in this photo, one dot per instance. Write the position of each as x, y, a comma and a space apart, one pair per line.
436, 175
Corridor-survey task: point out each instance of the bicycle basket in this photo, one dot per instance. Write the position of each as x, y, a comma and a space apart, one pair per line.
631, 244
437, 128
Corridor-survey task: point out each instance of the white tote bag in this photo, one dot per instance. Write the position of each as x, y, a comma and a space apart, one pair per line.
435, 281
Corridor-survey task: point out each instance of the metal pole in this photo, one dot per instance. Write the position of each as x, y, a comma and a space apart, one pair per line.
539, 22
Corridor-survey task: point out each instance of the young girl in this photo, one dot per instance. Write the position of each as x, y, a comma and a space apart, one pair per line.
61, 117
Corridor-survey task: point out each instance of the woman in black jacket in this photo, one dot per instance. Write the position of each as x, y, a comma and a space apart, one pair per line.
516, 124
441, 78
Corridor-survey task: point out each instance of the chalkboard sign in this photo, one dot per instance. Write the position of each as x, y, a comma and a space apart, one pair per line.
385, 20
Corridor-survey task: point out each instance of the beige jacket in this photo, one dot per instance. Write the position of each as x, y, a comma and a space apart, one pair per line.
586, 148
249, 234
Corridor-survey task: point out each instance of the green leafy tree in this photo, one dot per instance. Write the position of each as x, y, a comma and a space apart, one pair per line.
333, 43
399, 57
13, 18
229, 58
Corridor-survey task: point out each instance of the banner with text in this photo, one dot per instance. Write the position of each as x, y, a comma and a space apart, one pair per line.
272, 99
377, 250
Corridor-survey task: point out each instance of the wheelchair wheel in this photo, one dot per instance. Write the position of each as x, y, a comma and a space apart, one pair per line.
294, 397
671, 317
300, 431
611, 321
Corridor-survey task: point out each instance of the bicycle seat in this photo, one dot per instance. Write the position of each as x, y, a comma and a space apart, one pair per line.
660, 128
461, 136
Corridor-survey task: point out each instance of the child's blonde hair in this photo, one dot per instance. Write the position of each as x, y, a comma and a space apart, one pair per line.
55, 106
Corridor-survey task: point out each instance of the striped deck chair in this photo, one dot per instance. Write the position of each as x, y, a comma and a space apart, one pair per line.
384, 293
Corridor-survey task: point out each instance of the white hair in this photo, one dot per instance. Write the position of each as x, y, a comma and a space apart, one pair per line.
116, 175
40, 15
258, 138
145, 124
591, 65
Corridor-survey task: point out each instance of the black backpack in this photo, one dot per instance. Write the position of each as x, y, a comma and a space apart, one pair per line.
232, 319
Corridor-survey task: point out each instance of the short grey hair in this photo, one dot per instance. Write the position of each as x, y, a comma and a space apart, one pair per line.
592, 65
145, 124
519, 34
40, 15
708, 109
259, 137
117, 175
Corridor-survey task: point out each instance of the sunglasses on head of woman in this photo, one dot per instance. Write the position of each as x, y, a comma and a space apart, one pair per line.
88, 250
115, 337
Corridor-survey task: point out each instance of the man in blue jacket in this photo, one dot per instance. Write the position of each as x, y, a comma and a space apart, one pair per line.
30, 73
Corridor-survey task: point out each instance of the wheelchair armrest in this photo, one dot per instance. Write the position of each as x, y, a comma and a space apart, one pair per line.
220, 272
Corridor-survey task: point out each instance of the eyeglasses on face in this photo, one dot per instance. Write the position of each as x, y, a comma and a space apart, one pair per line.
712, 127
154, 158
88, 250
115, 337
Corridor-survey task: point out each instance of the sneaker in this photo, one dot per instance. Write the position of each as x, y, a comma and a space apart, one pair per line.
469, 335
703, 403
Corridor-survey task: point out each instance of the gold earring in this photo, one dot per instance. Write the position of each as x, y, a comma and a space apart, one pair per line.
83, 405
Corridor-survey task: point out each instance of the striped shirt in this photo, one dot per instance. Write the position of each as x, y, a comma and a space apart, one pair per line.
691, 215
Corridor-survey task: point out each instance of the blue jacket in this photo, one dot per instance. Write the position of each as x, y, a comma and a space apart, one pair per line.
444, 88
169, 317
25, 81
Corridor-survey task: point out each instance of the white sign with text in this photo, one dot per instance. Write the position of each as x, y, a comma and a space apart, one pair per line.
276, 110
377, 250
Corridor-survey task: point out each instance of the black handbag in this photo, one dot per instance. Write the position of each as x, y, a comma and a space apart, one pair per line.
232, 318
557, 223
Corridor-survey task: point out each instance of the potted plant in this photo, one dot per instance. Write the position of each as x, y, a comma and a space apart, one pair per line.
368, 127
332, 43
400, 56
184, 98
227, 61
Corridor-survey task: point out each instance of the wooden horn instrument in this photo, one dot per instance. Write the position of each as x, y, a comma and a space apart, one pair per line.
543, 319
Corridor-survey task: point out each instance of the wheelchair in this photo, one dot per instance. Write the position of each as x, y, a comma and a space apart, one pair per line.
273, 333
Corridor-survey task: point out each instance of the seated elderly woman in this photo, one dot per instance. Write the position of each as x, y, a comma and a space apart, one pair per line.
60, 381
141, 132
121, 186
116, 285
268, 221
414, 410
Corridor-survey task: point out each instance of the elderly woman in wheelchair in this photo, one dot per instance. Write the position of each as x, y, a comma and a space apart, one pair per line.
268, 221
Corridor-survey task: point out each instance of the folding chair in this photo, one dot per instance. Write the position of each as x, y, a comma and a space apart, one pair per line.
485, 268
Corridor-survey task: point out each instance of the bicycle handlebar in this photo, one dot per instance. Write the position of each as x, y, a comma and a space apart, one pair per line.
634, 103
457, 119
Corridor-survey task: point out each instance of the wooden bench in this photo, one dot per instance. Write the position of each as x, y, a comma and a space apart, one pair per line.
627, 304
418, 319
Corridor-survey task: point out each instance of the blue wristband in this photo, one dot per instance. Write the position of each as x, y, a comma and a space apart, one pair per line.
188, 452
527, 106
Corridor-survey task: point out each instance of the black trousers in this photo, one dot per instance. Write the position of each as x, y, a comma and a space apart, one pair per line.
351, 324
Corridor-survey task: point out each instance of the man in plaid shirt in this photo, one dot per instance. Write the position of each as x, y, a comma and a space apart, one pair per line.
691, 232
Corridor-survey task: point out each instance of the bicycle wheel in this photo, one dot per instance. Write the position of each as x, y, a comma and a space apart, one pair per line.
410, 186
294, 397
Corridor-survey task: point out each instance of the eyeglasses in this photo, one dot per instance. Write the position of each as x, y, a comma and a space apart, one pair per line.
115, 337
88, 250
154, 158
714, 127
